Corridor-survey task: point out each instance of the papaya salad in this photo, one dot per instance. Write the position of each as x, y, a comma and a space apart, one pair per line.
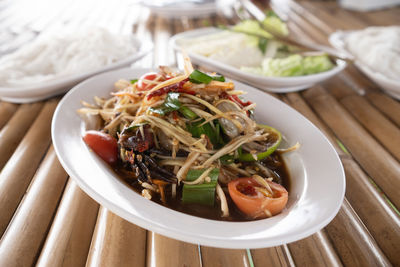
189, 141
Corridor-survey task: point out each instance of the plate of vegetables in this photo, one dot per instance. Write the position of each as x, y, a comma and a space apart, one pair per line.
250, 54
185, 155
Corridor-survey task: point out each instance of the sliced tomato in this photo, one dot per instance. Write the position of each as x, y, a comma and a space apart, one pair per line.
142, 85
104, 145
254, 203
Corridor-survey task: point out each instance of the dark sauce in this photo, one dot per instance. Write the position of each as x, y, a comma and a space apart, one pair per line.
273, 162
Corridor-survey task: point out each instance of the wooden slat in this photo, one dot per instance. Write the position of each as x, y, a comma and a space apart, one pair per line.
165, 252
378, 163
275, 256
69, 238
386, 132
116, 242
380, 127
297, 102
27, 231
315, 250
339, 88
382, 222
373, 208
16, 128
352, 240
386, 17
213, 257
334, 17
387, 105
6, 112
17, 173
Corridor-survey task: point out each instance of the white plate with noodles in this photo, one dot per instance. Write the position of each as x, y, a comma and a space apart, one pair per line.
187, 40
48, 75
317, 181
387, 49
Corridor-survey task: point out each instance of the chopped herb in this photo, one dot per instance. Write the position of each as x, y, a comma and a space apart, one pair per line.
188, 113
170, 104
271, 13
197, 129
262, 44
200, 77
134, 81
227, 159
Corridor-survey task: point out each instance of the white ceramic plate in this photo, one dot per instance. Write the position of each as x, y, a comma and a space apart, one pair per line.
390, 86
317, 177
270, 84
191, 9
46, 89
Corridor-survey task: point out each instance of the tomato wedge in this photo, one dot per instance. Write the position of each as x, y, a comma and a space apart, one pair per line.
104, 145
142, 85
252, 202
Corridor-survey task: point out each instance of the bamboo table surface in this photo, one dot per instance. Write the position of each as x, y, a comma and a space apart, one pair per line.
46, 220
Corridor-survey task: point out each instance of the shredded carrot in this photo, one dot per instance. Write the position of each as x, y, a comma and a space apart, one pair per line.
161, 185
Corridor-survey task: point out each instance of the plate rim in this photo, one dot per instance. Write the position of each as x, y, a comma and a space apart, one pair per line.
192, 238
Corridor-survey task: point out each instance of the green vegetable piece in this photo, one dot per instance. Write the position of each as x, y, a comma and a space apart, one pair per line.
316, 64
251, 27
262, 44
188, 113
134, 81
227, 159
170, 104
289, 66
200, 77
202, 193
197, 129
276, 24
296, 65
274, 140
218, 78
293, 65
194, 174
271, 13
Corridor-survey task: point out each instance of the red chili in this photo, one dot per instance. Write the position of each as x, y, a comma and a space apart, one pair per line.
175, 115
238, 100
176, 87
